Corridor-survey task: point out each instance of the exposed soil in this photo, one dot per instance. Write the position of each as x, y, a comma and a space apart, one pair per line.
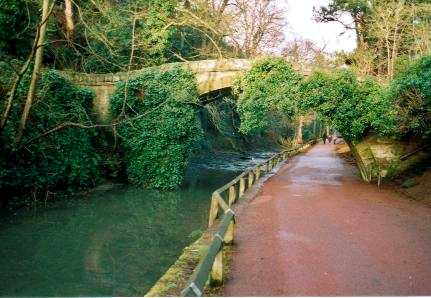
421, 187
315, 229
416, 183
344, 152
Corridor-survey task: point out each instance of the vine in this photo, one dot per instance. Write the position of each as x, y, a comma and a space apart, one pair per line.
158, 146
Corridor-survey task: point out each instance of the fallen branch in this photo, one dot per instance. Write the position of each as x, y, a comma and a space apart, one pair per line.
405, 156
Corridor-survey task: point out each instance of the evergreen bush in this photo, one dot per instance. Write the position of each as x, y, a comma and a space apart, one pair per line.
410, 97
159, 126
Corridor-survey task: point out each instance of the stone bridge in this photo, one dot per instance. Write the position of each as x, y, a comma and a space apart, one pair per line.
211, 75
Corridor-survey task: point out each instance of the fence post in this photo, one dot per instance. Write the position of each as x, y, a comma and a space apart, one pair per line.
250, 179
216, 276
229, 235
232, 195
257, 173
241, 186
213, 210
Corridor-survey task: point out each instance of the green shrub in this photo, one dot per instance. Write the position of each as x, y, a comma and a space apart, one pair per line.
158, 144
267, 95
63, 159
410, 97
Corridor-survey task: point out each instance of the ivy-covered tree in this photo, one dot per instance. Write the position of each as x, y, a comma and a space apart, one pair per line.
350, 106
158, 126
63, 159
267, 95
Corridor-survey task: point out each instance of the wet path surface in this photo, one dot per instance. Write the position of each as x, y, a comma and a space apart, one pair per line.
316, 229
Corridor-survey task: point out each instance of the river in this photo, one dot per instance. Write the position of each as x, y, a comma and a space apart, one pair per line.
116, 241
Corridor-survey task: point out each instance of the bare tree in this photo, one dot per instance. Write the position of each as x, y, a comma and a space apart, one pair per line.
305, 55
257, 27
399, 30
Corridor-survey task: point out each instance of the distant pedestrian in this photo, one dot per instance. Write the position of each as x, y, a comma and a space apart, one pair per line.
324, 136
330, 139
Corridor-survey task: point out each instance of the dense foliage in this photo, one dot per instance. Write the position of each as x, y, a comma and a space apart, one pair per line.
105, 31
267, 95
63, 159
352, 107
401, 110
160, 125
16, 20
410, 97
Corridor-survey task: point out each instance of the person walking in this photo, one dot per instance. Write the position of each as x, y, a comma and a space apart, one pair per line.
324, 136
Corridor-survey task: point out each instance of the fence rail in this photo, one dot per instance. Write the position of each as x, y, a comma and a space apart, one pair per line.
211, 266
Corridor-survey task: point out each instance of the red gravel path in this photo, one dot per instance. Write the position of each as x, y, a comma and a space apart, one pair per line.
315, 229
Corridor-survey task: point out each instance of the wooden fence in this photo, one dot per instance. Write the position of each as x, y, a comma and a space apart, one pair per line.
211, 266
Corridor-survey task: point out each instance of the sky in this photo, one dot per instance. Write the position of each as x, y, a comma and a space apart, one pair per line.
299, 16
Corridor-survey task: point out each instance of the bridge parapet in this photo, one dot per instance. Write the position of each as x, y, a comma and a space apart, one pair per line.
201, 67
211, 75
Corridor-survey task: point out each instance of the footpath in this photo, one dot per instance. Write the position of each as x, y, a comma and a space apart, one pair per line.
315, 229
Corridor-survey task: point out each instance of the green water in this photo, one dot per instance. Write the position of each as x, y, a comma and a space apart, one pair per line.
115, 242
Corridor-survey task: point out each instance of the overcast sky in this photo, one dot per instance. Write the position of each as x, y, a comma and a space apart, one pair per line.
301, 25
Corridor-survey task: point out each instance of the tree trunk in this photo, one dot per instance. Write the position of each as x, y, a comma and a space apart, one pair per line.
363, 170
314, 128
68, 13
13, 90
36, 69
299, 130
